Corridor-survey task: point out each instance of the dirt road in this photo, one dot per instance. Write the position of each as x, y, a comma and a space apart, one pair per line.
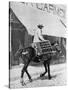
58, 73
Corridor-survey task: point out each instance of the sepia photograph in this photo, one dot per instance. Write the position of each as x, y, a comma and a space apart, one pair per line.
37, 45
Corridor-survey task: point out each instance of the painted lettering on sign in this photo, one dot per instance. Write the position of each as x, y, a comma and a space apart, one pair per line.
50, 8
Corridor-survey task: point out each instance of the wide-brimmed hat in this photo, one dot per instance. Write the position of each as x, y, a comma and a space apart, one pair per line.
40, 26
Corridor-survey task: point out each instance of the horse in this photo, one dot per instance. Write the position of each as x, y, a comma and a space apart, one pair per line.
28, 55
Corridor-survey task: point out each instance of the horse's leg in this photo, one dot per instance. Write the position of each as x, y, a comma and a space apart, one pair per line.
28, 76
22, 74
48, 65
25, 70
45, 69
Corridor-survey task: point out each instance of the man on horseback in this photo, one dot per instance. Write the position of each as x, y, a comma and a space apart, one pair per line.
38, 34
38, 38
39, 51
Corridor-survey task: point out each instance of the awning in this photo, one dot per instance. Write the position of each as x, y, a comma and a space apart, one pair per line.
31, 17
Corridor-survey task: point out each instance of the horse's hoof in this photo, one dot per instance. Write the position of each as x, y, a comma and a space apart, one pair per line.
22, 82
49, 77
30, 80
41, 75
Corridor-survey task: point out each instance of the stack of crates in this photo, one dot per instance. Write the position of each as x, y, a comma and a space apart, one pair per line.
46, 47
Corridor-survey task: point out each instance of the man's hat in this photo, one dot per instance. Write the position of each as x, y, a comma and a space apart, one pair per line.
40, 26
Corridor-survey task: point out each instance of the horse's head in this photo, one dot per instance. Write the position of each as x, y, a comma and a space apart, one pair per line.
56, 47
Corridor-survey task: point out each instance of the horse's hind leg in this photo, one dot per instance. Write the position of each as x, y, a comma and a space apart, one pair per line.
28, 76
45, 69
25, 70
22, 74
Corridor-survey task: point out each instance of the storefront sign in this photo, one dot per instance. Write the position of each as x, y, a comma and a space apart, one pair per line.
51, 8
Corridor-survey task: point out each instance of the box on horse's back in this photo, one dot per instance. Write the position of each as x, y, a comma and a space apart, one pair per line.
43, 47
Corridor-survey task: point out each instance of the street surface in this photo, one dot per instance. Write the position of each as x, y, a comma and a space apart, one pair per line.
58, 73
